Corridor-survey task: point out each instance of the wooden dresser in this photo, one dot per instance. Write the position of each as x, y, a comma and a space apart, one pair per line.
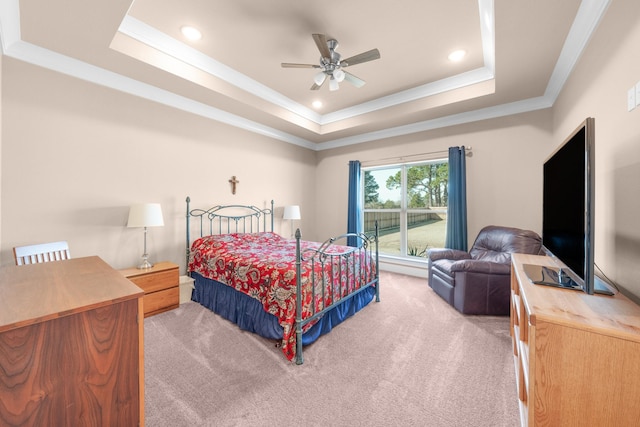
71, 345
161, 286
577, 356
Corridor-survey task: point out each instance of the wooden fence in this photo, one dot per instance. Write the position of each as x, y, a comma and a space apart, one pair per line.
390, 221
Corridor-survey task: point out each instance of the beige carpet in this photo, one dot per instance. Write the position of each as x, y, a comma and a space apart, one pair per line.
409, 360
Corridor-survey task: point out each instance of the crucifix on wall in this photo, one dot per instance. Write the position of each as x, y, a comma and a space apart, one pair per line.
233, 182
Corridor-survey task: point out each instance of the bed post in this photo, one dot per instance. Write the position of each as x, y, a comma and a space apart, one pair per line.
272, 215
299, 359
377, 266
186, 266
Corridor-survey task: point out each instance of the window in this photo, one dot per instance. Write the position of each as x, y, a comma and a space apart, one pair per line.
409, 201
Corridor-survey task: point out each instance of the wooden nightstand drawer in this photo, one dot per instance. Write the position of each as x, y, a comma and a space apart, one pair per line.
161, 285
158, 281
160, 301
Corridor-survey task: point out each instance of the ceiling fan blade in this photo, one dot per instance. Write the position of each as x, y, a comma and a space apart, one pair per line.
321, 42
356, 81
290, 65
369, 55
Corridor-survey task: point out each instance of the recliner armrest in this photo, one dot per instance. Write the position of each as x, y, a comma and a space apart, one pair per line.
444, 253
478, 266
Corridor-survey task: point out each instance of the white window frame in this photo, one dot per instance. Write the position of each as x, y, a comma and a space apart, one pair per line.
403, 210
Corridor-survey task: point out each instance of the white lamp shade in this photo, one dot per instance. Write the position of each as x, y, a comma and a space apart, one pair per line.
291, 212
319, 78
145, 215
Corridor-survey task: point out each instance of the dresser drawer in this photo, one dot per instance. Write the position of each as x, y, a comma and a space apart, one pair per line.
160, 301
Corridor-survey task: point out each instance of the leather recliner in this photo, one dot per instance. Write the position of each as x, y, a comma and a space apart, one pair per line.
479, 281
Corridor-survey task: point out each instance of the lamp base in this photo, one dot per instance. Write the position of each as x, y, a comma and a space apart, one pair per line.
145, 263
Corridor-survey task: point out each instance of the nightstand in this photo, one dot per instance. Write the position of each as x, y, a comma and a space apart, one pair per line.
161, 286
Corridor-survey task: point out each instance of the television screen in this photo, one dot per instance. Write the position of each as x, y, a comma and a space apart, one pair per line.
568, 205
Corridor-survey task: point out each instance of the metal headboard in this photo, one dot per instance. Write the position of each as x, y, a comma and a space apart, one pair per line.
223, 219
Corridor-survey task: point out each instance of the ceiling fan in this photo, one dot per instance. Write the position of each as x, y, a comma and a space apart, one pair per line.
331, 65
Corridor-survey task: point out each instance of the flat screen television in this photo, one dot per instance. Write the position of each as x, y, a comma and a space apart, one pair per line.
568, 214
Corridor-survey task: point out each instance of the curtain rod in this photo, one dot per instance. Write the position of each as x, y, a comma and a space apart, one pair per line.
419, 155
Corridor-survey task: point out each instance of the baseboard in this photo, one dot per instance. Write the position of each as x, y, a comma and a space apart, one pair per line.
402, 266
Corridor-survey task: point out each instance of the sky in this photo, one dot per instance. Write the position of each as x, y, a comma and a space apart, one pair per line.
381, 176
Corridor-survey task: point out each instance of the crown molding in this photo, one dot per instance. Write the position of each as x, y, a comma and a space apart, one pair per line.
589, 15
178, 50
587, 19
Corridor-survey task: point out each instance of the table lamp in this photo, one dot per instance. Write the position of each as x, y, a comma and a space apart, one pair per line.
291, 213
145, 215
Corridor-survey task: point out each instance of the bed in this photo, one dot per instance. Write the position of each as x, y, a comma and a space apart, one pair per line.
289, 290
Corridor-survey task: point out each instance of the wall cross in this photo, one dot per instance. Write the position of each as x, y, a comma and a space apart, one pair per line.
233, 182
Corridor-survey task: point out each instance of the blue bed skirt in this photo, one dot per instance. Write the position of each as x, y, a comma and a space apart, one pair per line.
249, 315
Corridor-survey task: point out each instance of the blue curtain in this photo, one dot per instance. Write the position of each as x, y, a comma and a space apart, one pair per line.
457, 207
354, 210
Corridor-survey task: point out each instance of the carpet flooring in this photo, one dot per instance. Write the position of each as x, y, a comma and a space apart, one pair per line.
409, 360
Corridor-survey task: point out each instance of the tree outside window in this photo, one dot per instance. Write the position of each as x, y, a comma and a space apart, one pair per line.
409, 201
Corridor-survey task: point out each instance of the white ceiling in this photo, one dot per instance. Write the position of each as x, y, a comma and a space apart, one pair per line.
519, 54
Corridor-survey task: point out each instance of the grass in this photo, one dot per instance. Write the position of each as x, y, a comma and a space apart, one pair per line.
421, 238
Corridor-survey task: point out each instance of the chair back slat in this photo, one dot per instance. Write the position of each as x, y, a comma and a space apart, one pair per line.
44, 252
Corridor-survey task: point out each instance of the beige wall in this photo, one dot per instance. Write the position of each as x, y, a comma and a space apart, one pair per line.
1, 136
504, 173
76, 155
598, 88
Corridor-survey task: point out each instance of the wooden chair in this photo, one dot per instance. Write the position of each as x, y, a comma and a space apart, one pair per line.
45, 252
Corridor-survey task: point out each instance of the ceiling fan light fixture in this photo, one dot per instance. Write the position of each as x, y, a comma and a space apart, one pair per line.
331, 64
319, 78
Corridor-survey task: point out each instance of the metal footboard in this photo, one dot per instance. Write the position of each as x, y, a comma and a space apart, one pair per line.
362, 260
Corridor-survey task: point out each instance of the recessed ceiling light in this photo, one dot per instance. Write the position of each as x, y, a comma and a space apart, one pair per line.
316, 104
191, 33
457, 55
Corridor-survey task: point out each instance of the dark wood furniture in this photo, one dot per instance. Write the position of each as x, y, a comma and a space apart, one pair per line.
577, 356
161, 286
71, 345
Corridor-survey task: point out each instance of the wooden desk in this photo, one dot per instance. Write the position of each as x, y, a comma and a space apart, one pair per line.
71, 345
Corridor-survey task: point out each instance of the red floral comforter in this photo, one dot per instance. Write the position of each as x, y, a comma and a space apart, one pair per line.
263, 266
